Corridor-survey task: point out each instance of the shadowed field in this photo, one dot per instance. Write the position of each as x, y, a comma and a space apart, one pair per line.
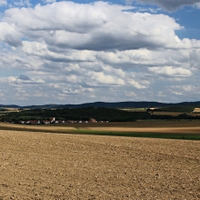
152, 130
49, 166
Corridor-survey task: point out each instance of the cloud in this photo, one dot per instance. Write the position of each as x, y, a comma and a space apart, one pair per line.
98, 27
169, 71
93, 52
104, 79
129, 2
3, 2
169, 5
198, 5
135, 84
49, 1
23, 77
21, 3
9, 34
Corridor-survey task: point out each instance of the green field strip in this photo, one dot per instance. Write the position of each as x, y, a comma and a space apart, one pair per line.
182, 136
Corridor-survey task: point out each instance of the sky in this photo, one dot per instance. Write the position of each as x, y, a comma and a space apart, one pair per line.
71, 52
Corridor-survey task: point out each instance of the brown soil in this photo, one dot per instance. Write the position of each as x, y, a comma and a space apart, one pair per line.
56, 166
11, 126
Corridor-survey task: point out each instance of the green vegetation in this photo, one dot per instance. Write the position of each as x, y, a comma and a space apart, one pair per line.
184, 109
181, 136
104, 114
83, 129
100, 114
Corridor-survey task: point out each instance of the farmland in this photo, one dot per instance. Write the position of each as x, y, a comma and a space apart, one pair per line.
36, 165
41, 116
174, 129
144, 159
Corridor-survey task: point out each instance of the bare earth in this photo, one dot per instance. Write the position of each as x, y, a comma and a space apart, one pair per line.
57, 166
196, 110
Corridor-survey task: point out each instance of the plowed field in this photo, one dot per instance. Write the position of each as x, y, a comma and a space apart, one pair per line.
50, 166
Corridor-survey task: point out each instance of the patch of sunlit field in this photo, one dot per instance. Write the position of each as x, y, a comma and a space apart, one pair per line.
37, 128
196, 110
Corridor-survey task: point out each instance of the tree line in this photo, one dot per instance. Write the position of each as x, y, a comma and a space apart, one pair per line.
100, 114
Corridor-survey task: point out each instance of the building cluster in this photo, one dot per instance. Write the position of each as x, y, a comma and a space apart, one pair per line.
54, 121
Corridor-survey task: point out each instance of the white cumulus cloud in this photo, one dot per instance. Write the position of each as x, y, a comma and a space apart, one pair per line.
69, 52
169, 71
99, 26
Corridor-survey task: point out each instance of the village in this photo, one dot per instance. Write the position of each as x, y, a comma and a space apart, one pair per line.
54, 121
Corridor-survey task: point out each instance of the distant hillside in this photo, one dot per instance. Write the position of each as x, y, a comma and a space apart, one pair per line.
85, 114
101, 111
9, 106
128, 104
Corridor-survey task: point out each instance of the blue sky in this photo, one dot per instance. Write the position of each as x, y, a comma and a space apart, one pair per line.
86, 51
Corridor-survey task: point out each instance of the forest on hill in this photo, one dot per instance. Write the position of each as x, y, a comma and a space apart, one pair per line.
98, 113
126, 104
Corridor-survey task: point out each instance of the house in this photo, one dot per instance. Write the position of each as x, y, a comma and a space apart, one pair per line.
92, 120
46, 122
53, 120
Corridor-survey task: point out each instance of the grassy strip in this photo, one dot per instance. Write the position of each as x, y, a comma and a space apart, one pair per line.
182, 136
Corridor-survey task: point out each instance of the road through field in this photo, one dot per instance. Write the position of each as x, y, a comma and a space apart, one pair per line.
48, 166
